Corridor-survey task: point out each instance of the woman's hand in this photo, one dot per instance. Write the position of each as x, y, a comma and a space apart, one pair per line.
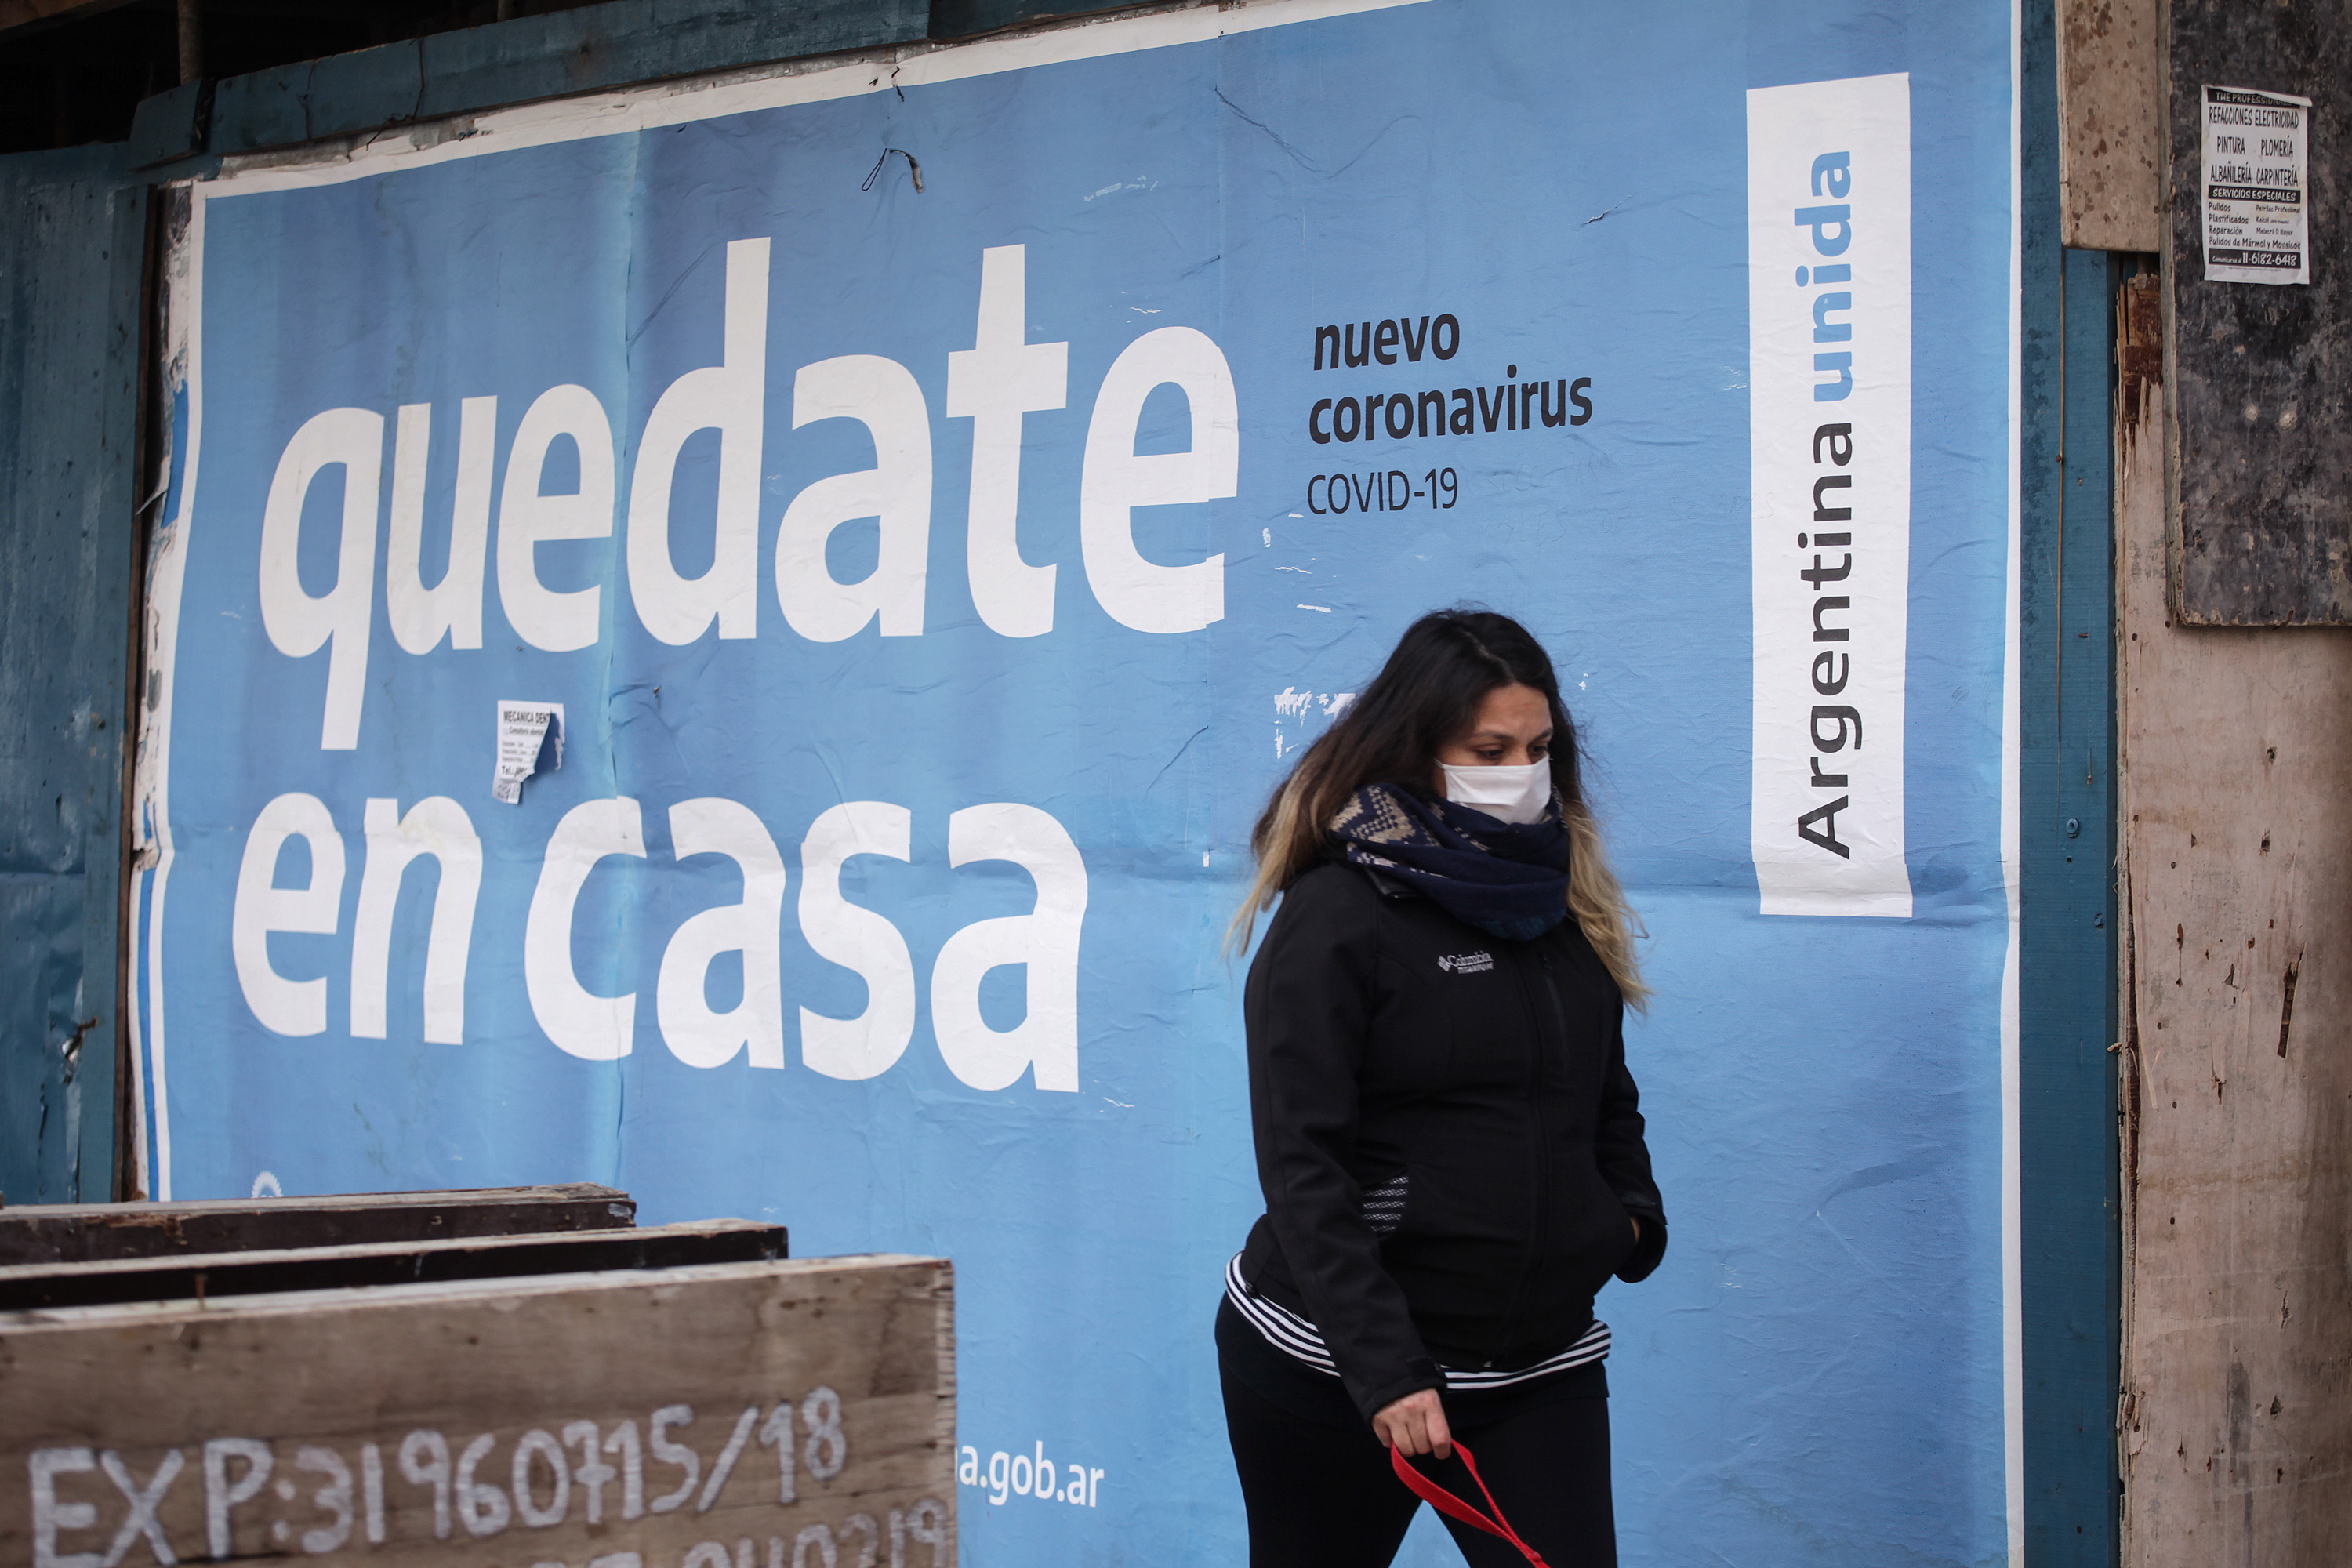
1415, 1424
1634, 1220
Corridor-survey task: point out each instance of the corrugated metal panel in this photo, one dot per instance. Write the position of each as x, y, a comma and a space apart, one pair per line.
71, 233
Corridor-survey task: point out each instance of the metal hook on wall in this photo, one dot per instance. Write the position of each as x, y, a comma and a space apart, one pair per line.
912, 167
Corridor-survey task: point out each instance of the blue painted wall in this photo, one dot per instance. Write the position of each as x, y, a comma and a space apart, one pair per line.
72, 228
2066, 975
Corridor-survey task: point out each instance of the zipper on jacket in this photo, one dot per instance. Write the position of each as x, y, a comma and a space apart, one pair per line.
1540, 1201
1543, 1052
1559, 1008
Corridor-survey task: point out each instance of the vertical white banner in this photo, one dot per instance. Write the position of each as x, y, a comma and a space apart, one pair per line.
1829, 343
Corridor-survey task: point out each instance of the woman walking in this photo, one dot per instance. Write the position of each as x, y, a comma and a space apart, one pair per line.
1449, 1142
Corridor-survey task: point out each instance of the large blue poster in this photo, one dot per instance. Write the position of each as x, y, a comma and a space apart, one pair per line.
727, 640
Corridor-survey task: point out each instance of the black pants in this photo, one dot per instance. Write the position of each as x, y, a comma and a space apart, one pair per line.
1320, 1494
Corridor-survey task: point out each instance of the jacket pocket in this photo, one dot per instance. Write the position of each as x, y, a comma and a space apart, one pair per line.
1593, 1236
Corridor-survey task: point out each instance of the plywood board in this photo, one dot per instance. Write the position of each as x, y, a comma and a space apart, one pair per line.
2261, 375
786, 1415
2236, 1062
76, 1234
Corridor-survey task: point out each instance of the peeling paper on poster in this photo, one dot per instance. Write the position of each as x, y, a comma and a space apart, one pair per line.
530, 737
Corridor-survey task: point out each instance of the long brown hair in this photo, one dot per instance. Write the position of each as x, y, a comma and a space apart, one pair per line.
1427, 693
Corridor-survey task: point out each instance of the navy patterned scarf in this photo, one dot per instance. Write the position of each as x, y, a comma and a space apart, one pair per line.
1509, 879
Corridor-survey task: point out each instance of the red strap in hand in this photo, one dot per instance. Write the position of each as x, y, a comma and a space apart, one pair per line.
1446, 1502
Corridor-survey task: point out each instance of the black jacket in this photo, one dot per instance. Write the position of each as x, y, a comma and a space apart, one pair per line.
1388, 1038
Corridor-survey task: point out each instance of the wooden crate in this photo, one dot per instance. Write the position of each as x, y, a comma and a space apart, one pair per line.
85, 1234
781, 1415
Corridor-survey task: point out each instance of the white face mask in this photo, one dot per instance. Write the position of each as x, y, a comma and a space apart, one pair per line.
1503, 792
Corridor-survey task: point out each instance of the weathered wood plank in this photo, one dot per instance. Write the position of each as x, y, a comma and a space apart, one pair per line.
215, 1276
786, 1415
963, 19
2237, 1060
588, 48
2261, 375
2067, 1322
2111, 124
70, 266
76, 1234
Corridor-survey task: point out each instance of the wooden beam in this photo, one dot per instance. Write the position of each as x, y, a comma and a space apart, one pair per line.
62, 1234
218, 1276
191, 19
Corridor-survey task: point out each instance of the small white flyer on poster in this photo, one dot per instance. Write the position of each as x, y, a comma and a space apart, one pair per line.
2257, 217
523, 732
